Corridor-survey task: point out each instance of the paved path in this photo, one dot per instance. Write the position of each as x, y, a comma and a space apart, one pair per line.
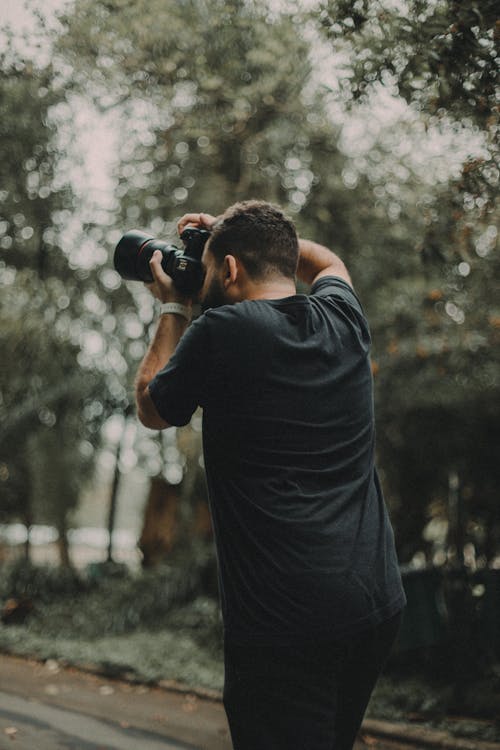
29, 725
48, 707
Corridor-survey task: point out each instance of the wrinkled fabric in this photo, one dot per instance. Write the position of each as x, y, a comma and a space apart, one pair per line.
304, 542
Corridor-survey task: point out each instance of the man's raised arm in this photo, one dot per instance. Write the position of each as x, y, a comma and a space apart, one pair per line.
168, 334
316, 261
171, 328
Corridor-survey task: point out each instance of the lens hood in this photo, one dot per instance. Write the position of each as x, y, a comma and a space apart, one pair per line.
128, 252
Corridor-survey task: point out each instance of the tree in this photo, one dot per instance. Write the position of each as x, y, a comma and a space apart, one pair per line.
212, 94
51, 407
435, 323
214, 109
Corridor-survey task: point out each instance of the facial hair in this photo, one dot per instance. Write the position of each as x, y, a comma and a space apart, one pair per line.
214, 296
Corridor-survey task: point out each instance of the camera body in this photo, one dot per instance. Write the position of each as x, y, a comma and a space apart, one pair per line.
135, 249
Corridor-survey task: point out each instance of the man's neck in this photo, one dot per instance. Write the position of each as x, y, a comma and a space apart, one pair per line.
275, 289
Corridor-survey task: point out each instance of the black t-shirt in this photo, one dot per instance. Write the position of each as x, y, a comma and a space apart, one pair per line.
304, 543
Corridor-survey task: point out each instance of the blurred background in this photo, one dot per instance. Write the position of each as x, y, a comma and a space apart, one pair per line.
375, 125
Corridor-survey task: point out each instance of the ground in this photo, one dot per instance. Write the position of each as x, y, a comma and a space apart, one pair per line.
49, 707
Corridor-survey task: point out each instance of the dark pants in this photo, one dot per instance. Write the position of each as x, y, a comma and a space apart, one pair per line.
307, 696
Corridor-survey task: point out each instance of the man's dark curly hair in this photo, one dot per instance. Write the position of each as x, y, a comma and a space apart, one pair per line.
260, 235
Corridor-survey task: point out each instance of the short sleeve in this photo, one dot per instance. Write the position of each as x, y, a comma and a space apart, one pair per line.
343, 299
179, 388
334, 286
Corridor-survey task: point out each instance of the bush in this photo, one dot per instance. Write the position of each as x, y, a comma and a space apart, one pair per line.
24, 580
108, 599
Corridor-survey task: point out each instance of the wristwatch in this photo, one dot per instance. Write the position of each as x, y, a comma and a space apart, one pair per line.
176, 308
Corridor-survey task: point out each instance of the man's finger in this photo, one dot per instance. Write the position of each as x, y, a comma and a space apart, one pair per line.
207, 220
194, 219
155, 265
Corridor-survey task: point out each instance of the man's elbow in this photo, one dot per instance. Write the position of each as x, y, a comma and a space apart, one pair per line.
146, 412
338, 269
152, 422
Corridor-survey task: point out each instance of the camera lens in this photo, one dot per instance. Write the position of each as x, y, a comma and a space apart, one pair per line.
133, 253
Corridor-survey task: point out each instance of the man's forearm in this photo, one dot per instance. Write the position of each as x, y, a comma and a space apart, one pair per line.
316, 261
167, 336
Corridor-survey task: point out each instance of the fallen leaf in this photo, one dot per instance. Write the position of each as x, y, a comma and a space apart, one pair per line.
368, 740
190, 704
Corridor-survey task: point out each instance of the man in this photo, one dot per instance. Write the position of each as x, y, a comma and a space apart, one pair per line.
310, 588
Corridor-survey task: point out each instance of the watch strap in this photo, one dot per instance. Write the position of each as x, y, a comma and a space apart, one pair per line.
176, 308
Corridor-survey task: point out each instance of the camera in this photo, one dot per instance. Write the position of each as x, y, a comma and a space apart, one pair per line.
134, 251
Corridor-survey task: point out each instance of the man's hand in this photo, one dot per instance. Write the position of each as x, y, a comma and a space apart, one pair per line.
200, 221
162, 286
316, 261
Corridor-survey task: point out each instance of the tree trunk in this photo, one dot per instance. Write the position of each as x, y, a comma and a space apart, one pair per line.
160, 529
456, 518
27, 520
114, 495
63, 548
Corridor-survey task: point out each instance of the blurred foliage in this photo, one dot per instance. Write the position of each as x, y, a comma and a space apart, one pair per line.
215, 109
68, 604
219, 101
51, 407
442, 55
142, 656
435, 313
29, 195
119, 607
24, 580
146, 627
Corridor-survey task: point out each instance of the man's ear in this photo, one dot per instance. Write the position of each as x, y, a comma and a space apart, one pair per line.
230, 270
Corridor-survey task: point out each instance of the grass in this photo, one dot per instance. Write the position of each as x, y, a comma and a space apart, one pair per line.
142, 656
155, 626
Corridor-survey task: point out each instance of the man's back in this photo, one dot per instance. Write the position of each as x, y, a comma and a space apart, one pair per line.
303, 540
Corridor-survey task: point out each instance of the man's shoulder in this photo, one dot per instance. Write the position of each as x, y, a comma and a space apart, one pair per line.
338, 291
332, 285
